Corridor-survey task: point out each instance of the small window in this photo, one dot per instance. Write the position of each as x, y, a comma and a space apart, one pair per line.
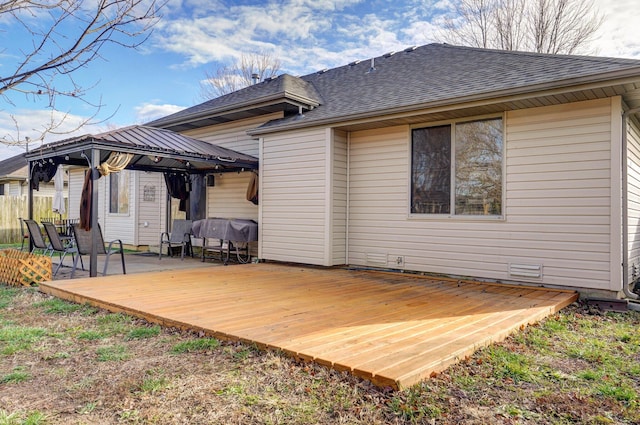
119, 192
2, 189
467, 157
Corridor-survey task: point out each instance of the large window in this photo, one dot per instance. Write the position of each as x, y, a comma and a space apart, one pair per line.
119, 192
465, 156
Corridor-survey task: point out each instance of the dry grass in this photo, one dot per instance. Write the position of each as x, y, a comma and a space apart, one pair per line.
62, 363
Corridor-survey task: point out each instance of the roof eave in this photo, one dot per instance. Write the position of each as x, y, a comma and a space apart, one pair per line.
241, 106
519, 93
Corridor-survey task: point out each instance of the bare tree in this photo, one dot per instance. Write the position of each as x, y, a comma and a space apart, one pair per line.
239, 74
543, 26
65, 36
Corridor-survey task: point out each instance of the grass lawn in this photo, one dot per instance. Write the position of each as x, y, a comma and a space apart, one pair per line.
64, 363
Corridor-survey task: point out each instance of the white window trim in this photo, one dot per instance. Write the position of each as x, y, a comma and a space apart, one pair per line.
451, 216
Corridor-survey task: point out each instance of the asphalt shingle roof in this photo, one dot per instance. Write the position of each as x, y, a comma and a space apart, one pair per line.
430, 75
285, 86
13, 166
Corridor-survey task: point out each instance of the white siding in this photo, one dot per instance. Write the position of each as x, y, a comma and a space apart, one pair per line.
76, 181
233, 135
557, 208
227, 199
117, 226
152, 209
293, 199
633, 161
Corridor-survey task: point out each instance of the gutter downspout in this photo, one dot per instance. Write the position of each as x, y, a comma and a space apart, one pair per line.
625, 206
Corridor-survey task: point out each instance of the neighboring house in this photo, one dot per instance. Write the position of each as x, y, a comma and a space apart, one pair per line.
14, 191
13, 179
459, 161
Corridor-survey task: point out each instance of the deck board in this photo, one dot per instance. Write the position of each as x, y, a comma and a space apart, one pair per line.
391, 328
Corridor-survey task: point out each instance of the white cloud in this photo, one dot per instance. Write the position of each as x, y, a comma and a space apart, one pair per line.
149, 111
9, 151
223, 34
617, 36
32, 123
21, 124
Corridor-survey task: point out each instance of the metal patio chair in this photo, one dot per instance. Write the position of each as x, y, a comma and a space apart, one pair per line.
25, 234
180, 235
37, 239
62, 246
83, 243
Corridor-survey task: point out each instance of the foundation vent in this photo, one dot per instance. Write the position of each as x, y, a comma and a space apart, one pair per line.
376, 259
526, 271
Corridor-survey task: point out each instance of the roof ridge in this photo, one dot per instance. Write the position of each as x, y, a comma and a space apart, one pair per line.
598, 59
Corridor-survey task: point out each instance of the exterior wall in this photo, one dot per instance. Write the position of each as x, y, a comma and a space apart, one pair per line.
339, 181
557, 210
45, 190
118, 226
293, 177
140, 226
227, 199
14, 188
633, 161
76, 180
233, 135
152, 207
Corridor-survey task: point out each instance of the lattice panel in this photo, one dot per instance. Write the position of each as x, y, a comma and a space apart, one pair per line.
22, 268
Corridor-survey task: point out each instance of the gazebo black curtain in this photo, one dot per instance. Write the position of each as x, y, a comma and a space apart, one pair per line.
42, 172
178, 188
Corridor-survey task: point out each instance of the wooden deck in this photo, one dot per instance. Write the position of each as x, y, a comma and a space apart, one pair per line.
390, 328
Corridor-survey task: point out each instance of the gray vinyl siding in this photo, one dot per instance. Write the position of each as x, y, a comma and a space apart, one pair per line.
556, 214
293, 199
233, 135
633, 161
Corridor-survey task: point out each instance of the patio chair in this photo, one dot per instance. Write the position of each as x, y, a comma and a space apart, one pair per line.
83, 243
25, 234
180, 235
60, 245
37, 239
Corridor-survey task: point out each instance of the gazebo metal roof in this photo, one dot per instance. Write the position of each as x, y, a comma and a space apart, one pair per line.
154, 149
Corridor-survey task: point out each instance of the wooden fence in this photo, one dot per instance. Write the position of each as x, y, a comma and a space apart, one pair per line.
13, 207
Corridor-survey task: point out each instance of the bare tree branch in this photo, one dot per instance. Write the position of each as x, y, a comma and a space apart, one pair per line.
67, 35
543, 26
472, 23
239, 74
509, 16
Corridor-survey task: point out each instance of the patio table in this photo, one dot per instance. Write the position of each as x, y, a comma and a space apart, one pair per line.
234, 233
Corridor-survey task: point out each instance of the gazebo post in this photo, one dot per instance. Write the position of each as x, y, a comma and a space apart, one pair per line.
95, 239
30, 197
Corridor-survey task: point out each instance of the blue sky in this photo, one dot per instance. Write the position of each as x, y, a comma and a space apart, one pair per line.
195, 36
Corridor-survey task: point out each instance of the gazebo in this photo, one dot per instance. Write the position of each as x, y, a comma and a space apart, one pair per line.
135, 148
